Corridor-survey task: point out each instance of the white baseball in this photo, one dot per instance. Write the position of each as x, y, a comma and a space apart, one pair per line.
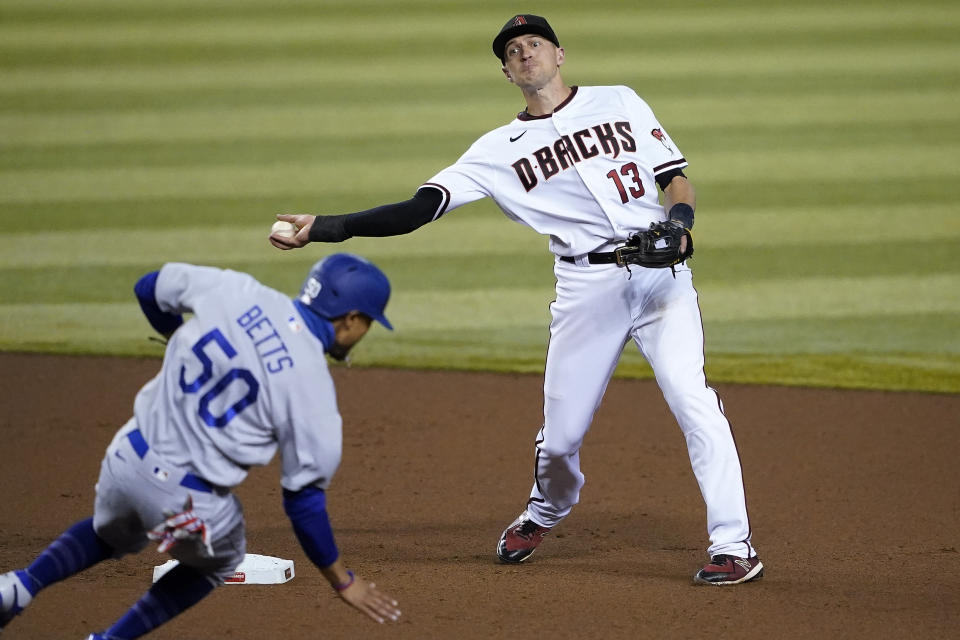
284, 229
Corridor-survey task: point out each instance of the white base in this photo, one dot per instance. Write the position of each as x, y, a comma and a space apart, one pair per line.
254, 569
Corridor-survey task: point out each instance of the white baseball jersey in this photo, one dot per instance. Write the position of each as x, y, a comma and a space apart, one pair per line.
240, 379
599, 153
585, 176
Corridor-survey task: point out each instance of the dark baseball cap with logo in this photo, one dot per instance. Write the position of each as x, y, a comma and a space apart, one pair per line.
519, 25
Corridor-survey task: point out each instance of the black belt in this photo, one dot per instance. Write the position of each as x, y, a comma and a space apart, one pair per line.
595, 258
617, 256
189, 481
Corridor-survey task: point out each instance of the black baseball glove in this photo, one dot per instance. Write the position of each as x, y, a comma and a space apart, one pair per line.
658, 247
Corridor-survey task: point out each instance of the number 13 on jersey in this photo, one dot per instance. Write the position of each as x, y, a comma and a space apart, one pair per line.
631, 171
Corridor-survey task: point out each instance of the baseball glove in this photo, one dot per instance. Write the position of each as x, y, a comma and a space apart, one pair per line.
658, 247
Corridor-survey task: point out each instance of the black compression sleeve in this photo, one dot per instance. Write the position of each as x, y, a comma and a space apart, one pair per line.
664, 178
388, 220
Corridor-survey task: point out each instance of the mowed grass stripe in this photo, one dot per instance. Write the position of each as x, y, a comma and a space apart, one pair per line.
248, 244
728, 194
104, 9
72, 327
233, 39
831, 297
812, 300
306, 148
317, 178
807, 226
476, 270
22, 325
342, 175
904, 331
855, 208
474, 230
499, 351
407, 114
346, 91
820, 299
113, 11
121, 329
710, 25
400, 146
746, 264
899, 372
390, 69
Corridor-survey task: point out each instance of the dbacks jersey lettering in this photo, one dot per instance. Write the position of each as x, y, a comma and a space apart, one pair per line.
584, 175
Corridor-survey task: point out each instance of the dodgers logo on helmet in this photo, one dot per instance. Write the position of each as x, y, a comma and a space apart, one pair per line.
344, 282
311, 288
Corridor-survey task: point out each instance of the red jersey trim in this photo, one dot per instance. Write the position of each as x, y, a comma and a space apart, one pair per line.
668, 165
525, 117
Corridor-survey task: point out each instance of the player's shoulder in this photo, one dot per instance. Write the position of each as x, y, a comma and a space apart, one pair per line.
608, 92
621, 98
493, 142
628, 99
204, 277
495, 136
183, 269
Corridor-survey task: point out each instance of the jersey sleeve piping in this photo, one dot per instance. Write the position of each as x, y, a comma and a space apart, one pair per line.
673, 164
445, 193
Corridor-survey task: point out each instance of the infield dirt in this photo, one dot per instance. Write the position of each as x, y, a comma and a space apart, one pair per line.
854, 498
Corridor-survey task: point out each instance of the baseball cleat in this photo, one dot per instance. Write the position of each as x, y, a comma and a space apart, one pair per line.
520, 539
726, 570
14, 597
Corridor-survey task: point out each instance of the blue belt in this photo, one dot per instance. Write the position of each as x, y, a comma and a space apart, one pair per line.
189, 481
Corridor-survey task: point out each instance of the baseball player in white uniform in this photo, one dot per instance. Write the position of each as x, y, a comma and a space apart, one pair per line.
581, 165
245, 377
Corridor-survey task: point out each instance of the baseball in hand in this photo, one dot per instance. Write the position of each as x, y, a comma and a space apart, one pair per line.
284, 229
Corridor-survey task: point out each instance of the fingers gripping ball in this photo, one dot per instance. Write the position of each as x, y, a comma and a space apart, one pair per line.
284, 229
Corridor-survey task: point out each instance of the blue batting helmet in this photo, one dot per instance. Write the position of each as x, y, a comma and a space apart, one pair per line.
343, 282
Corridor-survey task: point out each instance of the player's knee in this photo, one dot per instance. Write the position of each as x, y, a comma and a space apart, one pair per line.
122, 536
684, 394
560, 446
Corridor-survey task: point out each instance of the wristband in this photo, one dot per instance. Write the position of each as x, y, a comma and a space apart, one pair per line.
345, 585
682, 212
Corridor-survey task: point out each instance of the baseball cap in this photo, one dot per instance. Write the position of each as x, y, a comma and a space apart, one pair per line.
519, 25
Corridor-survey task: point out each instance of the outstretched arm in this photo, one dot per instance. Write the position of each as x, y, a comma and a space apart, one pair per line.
389, 220
307, 510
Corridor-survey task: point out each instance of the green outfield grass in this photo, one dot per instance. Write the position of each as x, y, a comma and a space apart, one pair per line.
823, 139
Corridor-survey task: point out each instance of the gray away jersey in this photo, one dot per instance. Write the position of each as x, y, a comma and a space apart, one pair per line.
242, 378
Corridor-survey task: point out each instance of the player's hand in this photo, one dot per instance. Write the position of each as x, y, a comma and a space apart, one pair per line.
303, 221
181, 527
366, 598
